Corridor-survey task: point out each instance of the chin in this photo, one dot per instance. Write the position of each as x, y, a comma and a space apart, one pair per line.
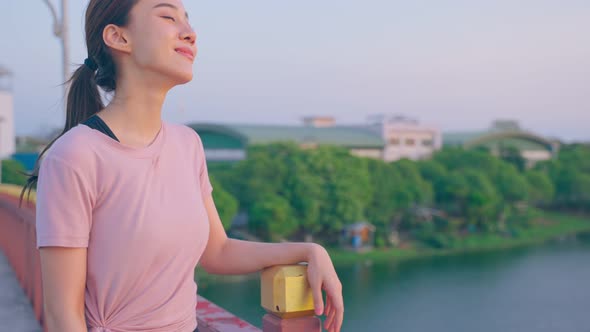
182, 77
186, 78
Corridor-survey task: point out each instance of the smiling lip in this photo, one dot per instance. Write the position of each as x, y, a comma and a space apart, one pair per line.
187, 52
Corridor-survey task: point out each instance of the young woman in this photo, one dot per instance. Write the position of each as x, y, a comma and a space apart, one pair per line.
124, 205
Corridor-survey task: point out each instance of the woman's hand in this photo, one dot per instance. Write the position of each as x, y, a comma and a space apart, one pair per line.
321, 275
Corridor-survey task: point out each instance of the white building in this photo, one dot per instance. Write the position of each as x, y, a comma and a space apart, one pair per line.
406, 138
7, 135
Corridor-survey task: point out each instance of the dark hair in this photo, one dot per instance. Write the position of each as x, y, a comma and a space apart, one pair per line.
84, 99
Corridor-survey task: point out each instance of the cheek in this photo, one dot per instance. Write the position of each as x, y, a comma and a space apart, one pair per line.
152, 49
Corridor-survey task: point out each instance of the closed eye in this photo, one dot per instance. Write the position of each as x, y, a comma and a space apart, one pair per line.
169, 18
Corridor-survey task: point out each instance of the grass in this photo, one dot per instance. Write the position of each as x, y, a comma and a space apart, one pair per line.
553, 226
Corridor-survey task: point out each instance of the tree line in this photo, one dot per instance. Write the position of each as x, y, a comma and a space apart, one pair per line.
290, 192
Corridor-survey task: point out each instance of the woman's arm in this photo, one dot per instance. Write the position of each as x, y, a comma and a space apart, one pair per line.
231, 256
63, 273
241, 257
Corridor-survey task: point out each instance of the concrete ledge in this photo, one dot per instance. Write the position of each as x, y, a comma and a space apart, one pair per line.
16, 312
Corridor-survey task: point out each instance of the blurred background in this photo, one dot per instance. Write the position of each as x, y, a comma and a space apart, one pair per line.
439, 150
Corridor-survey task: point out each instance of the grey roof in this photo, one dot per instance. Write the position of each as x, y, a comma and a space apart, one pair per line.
522, 139
347, 136
461, 137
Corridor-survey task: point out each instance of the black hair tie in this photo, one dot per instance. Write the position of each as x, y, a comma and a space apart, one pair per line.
91, 64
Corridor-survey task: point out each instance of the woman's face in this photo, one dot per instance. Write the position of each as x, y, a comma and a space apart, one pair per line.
162, 40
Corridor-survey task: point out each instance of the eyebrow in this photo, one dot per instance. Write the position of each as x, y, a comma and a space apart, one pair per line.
163, 4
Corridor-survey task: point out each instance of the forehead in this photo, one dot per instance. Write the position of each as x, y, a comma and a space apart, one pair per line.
146, 6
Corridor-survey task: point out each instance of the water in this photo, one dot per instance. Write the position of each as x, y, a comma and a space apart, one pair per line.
537, 289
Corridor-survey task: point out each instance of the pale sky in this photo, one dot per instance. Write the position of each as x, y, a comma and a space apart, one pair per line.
456, 64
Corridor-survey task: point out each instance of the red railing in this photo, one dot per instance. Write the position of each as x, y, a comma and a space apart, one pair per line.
17, 241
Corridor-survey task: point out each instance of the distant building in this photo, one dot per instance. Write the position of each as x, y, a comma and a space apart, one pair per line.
319, 121
404, 137
228, 142
387, 138
359, 236
506, 134
7, 135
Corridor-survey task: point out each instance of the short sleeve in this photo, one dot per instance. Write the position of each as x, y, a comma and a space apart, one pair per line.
205, 182
64, 205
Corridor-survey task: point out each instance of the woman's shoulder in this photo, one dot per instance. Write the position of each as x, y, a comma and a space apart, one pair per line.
72, 147
185, 133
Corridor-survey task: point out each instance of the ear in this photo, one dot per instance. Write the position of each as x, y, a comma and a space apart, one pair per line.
116, 38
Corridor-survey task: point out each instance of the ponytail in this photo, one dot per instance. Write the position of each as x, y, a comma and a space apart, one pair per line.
83, 101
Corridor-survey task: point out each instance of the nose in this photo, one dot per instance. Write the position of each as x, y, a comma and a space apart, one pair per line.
189, 35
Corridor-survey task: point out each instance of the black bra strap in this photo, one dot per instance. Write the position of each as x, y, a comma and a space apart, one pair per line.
95, 122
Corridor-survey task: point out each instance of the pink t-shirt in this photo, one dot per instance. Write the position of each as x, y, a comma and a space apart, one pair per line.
140, 213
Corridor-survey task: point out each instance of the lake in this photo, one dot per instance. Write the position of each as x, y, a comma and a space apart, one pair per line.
537, 289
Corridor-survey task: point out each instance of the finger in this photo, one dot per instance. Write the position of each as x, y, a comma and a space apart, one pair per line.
318, 302
329, 323
336, 323
328, 320
329, 315
336, 313
339, 314
338, 320
328, 306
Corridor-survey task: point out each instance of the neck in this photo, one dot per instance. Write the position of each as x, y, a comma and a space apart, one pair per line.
135, 113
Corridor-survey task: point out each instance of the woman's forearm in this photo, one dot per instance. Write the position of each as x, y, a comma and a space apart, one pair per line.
242, 257
65, 323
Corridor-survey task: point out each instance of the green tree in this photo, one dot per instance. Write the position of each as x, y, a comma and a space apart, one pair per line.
346, 187
512, 155
511, 185
454, 159
572, 189
435, 173
540, 187
570, 175
390, 197
452, 193
576, 156
432, 170
271, 217
481, 202
227, 205
470, 194
303, 190
259, 175
12, 172
421, 190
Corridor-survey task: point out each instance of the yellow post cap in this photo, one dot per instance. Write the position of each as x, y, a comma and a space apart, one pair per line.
285, 291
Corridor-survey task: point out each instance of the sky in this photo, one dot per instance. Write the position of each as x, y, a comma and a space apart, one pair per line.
456, 64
